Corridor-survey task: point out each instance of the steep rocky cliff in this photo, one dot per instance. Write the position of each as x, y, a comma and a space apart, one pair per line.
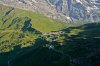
80, 10
66, 10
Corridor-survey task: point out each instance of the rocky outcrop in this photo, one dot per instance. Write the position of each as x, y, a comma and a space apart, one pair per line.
77, 10
66, 10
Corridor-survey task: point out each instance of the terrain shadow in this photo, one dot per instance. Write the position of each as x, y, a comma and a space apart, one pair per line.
36, 55
81, 49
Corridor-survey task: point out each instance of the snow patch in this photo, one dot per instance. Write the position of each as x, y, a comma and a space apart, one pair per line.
34, 1
79, 1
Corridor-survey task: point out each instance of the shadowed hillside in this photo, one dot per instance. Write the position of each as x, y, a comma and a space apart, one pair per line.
83, 44
28, 39
80, 47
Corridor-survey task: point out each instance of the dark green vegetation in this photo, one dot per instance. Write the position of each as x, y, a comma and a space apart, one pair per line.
31, 39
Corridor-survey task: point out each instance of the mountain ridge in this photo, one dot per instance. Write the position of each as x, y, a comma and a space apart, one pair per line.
66, 10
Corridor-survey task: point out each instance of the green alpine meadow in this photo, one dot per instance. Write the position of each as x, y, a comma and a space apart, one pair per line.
48, 33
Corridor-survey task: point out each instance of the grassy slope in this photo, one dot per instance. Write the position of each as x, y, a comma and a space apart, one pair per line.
76, 45
81, 43
9, 37
39, 22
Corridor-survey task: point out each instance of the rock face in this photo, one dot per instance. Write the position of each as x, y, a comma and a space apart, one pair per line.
66, 10
78, 10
